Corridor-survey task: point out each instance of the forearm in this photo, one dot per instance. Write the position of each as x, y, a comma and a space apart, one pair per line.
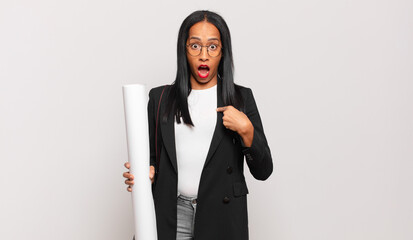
254, 143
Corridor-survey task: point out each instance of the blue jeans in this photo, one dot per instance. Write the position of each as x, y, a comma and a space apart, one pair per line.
186, 210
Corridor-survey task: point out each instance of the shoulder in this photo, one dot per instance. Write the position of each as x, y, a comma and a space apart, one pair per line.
157, 91
247, 97
244, 90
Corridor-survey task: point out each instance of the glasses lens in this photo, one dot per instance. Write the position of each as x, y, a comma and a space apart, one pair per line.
194, 49
214, 50
194, 52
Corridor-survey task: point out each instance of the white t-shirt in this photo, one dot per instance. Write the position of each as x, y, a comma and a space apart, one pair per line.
192, 143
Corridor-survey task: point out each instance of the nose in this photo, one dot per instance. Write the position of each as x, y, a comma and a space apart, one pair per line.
204, 54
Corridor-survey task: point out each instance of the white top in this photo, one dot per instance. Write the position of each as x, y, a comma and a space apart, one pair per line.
192, 143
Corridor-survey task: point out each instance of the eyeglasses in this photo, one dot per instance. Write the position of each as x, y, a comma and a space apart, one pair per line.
195, 49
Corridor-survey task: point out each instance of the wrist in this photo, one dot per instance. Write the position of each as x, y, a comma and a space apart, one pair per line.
247, 135
246, 130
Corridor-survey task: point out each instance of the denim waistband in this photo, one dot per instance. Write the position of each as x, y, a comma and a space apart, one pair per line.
187, 198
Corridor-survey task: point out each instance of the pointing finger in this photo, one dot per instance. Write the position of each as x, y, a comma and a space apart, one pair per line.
221, 109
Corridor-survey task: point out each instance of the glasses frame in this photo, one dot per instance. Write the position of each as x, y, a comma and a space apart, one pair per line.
220, 50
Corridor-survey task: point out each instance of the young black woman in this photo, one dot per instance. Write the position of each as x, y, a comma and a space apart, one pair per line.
221, 124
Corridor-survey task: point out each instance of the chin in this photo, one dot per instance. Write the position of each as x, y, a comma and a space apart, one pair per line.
202, 81
205, 80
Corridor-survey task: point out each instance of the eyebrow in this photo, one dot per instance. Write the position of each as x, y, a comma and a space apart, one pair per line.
209, 39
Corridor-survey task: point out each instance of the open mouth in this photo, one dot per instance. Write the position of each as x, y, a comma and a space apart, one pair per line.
203, 71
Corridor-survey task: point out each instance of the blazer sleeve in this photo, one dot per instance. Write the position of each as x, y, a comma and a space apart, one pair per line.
152, 126
258, 155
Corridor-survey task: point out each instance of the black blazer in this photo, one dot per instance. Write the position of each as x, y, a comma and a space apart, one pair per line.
222, 196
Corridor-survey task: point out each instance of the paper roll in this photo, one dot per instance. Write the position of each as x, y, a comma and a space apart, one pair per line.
136, 117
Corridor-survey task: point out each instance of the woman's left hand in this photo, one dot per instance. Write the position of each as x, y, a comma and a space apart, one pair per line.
235, 120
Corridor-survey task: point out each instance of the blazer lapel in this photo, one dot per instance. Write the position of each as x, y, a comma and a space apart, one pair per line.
219, 127
168, 132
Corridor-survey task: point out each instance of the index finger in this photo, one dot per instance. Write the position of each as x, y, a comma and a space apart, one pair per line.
221, 109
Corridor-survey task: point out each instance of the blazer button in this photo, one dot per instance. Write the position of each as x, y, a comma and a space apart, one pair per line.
229, 170
226, 200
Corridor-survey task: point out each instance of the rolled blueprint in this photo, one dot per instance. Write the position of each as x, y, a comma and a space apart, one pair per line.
136, 117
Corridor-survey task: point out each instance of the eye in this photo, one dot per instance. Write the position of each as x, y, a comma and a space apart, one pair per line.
195, 46
213, 47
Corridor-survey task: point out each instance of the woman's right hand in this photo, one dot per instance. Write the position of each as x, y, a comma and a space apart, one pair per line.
130, 177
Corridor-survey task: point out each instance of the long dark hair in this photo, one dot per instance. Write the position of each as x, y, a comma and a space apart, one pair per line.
181, 87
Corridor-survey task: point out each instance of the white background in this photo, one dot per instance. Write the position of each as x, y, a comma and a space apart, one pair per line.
332, 81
